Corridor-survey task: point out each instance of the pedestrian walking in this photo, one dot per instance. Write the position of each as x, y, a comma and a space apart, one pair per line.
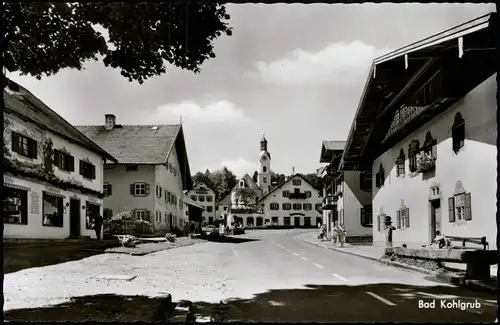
342, 235
98, 225
336, 234
389, 228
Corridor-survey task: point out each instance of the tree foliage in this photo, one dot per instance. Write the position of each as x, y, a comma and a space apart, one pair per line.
221, 181
144, 37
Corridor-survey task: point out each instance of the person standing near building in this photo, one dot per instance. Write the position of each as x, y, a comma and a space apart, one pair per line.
98, 225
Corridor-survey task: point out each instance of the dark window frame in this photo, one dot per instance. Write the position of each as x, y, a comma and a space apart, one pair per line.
400, 163
413, 151
107, 189
64, 161
366, 216
18, 145
286, 206
458, 133
87, 170
138, 185
298, 205
274, 206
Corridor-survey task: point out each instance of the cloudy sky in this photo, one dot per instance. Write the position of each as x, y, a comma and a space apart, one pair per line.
293, 72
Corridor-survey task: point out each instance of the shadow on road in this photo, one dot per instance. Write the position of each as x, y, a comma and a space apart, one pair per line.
228, 239
314, 303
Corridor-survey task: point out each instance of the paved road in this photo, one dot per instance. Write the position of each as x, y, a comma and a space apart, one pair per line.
266, 276
342, 287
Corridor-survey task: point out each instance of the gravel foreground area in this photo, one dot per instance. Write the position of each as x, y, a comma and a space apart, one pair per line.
148, 248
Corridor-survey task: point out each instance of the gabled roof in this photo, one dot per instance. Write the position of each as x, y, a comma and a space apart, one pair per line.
22, 103
249, 182
329, 149
186, 199
143, 144
285, 182
226, 200
135, 144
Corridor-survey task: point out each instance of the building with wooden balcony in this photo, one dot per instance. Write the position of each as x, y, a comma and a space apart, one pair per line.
426, 130
346, 195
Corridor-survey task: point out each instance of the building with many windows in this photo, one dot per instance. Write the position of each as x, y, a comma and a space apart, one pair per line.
205, 197
152, 171
53, 174
347, 195
295, 202
425, 129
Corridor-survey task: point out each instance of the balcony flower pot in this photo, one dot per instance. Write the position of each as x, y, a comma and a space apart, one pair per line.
425, 163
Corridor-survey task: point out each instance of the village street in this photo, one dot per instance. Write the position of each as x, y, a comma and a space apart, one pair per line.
272, 276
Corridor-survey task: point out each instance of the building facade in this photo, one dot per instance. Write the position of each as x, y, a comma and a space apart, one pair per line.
53, 176
205, 197
152, 171
431, 145
293, 203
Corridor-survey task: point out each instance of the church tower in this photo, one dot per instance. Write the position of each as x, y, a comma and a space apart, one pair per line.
264, 177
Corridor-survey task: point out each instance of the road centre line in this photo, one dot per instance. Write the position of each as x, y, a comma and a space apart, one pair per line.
385, 301
317, 265
295, 254
305, 259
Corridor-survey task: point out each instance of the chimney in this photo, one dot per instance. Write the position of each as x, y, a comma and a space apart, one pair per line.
110, 121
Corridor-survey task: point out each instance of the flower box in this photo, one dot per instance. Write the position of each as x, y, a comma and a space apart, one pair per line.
425, 163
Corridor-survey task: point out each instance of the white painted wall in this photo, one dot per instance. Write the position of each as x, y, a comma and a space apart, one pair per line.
277, 197
170, 180
35, 229
474, 165
121, 200
352, 200
78, 152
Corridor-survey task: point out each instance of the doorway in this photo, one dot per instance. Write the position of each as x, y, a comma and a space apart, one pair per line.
74, 217
435, 218
296, 222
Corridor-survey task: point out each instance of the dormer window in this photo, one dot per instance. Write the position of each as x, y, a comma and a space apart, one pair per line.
264, 169
458, 133
242, 184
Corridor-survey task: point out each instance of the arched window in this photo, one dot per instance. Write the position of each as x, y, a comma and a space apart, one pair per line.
400, 163
264, 169
413, 150
458, 132
429, 146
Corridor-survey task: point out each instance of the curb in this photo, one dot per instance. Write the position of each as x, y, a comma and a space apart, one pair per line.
150, 252
450, 278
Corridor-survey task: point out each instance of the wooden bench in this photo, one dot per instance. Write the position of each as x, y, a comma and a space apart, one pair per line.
473, 240
478, 261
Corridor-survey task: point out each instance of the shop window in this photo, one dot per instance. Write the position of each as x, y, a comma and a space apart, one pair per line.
92, 211
53, 210
15, 206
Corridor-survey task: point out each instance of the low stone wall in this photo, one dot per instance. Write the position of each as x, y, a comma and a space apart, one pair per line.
359, 240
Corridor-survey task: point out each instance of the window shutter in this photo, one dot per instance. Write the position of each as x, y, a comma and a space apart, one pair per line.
15, 142
398, 219
362, 214
132, 189
71, 163
57, 158
467, 208
166, 195
147, 189
451, 209
33, 147
92, 169
110, 189
407, 216
378, 222
81, 167
377, 180
161, 190
147, 215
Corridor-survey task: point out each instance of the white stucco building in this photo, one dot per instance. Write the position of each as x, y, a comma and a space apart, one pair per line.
347, 195
293, 203
205, 197
152, 173
53, 174
431, 146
